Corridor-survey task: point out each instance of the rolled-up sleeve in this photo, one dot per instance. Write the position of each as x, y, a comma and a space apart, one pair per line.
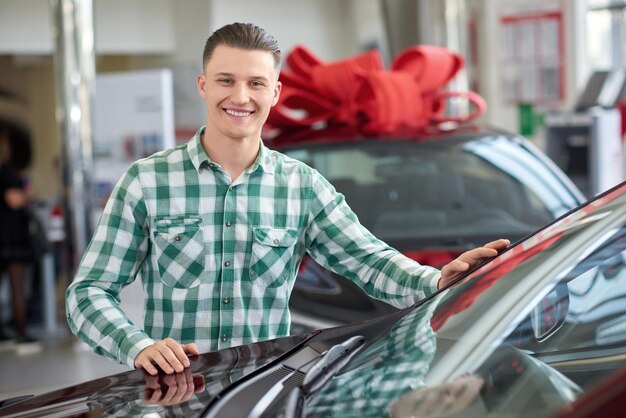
112, 260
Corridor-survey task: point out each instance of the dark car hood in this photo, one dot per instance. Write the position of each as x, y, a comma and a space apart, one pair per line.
123, 394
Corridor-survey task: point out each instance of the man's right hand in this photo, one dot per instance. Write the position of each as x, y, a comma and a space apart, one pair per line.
168, 354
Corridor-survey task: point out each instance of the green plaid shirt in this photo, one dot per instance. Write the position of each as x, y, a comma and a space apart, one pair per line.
218, 259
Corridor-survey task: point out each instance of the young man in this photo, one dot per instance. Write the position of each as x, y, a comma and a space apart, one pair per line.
217, 228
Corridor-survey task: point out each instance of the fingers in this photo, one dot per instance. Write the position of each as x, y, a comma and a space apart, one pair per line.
176, 356
168, 354
191, 348
491, 249
198, 383
144, 361
470, 259
153, 396
179, 388
452, 270
498, 245
477, 254
172, 389
457, 266
152, 382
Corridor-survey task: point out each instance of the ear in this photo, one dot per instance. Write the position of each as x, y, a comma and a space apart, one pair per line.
201, 84
277, 90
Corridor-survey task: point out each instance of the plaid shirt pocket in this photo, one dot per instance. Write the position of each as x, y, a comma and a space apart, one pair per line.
179, 250
272, 255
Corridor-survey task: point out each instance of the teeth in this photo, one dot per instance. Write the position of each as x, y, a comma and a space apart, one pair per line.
238, 114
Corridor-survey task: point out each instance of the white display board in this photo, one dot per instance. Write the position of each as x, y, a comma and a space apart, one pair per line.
134, 118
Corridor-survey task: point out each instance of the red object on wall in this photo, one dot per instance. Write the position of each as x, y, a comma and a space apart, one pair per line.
360, 92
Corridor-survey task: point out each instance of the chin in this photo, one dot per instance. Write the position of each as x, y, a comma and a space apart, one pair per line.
240, 136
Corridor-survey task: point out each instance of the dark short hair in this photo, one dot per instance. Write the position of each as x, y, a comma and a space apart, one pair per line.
243, 36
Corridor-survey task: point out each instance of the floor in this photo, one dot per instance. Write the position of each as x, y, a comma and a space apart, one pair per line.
61, 360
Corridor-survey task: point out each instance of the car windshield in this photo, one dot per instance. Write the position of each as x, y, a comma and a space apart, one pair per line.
410, 189
524, 335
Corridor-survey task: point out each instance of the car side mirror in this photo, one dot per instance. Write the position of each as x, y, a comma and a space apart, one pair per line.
549, 315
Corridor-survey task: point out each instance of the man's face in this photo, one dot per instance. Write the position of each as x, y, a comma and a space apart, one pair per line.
239, 87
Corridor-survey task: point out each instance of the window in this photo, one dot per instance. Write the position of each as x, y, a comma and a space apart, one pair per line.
606, 30
441, 190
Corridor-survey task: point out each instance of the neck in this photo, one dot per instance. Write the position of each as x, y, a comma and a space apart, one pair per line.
233, 155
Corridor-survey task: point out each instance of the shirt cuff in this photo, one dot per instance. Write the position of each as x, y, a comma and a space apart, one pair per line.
434, 282
132, 347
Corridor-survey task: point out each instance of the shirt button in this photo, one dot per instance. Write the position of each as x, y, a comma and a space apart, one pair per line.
224, 338
177, 238
276, 242
228, 223
227, 263
226, 301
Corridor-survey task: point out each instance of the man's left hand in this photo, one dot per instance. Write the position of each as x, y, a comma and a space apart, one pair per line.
470, 259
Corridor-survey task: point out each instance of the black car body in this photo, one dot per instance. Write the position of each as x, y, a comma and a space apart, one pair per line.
528, 333
431, 194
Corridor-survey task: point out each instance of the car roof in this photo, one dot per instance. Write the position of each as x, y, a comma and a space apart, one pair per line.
347, 134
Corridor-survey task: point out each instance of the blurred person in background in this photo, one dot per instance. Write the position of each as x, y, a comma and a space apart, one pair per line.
16, 255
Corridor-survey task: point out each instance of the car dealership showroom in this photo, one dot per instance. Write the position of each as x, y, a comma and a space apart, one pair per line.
313, 208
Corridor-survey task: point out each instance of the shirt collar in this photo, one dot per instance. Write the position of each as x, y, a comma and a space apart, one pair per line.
264, 160
199, 157
196, 151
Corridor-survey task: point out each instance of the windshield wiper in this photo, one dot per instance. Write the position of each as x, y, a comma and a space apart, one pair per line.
316, 377
14, 400
329, 363
332, 361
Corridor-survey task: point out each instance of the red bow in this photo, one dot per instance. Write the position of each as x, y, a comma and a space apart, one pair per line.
359, 92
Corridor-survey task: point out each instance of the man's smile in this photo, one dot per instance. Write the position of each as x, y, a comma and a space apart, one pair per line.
238, 113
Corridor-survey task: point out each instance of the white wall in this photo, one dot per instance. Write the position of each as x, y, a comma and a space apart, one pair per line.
25, 27
366, 20
137, 26
179, 27
121, 26
322, 25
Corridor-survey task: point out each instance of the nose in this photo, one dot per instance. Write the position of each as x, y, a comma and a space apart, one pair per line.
240, 94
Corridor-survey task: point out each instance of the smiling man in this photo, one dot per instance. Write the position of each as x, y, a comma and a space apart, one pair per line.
216, 230
239, 86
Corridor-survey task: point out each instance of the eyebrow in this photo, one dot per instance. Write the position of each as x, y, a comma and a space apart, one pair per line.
224, 74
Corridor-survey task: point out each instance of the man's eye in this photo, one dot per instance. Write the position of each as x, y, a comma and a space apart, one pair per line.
225, 81
256, 84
